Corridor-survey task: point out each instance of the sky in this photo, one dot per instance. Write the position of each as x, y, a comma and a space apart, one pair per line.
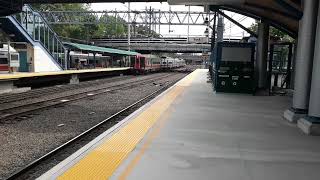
231, 30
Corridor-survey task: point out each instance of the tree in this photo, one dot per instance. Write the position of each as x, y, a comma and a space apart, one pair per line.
71, 31
83, 32
110, 26
273, 32
114, 27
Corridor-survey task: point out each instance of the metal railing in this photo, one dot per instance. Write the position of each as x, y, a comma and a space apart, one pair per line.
40, 31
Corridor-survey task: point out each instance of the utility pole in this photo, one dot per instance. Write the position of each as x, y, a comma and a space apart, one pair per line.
170, 20
150, 25
213, 40
159, 22
116, 16
9, 57
207, 22
129, 27
188, 23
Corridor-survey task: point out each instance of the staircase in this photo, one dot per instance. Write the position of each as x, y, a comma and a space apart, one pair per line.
29, 26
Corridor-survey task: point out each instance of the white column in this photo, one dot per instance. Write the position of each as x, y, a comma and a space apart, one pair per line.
311, 124
303, 62
305, 52
314, 104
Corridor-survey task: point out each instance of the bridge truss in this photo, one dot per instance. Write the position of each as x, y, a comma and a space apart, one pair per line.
145, 17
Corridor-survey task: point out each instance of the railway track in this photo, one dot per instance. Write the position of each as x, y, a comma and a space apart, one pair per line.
22, 111
83, 138
8, 98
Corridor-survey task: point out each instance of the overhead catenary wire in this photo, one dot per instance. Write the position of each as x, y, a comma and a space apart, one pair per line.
239, 20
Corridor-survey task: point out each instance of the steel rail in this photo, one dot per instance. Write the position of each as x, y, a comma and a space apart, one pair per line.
33, 164
51, 90
70, 98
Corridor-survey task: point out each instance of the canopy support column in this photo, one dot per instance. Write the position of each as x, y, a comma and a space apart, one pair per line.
311, 123
303, 62
262, 55
220, 29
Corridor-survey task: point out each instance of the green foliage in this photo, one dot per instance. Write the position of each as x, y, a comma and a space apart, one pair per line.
115, 26
84, 32
274, 32
61, 7
144, 31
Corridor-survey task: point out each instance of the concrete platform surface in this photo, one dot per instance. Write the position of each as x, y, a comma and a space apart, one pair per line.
18, 75
203, 135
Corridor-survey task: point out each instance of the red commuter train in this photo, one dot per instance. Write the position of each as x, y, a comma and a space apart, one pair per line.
144, 63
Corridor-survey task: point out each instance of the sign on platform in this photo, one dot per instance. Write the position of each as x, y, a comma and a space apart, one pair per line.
198, 40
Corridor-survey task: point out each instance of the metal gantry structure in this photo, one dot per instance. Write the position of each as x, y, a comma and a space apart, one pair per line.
148, 17
133, 17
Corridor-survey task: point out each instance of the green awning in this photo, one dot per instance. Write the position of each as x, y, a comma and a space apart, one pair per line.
85, 47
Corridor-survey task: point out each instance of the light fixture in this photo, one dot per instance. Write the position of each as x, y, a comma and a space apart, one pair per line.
206, 32
206, 21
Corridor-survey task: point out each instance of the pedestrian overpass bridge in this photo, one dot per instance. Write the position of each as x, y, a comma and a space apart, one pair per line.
147, 45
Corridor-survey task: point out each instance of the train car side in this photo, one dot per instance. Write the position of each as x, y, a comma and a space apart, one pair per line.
145, 63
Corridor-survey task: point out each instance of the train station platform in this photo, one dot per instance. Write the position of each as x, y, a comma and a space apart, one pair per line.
18, 75
190, 132
10, 82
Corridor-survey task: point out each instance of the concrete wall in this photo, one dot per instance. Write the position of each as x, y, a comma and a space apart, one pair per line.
43, 62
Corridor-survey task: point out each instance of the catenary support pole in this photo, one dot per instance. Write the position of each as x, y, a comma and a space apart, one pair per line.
129, 27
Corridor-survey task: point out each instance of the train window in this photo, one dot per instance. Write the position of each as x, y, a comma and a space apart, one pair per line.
132, 61
155, 61
3, 60
15, 57
142, 62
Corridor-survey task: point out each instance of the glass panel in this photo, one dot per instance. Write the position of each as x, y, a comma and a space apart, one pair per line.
23, 18
48, 36
30, 24
18, 17
37, 28
61, 56
53, 46
57, 48
42, 32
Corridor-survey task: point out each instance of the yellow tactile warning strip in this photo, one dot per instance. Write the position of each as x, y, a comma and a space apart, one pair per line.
38, 74
150, 136
104, 160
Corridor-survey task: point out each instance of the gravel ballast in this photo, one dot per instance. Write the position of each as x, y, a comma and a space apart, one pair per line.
25, 140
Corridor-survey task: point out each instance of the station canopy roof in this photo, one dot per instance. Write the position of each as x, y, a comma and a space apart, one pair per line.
90, 48
282, 14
